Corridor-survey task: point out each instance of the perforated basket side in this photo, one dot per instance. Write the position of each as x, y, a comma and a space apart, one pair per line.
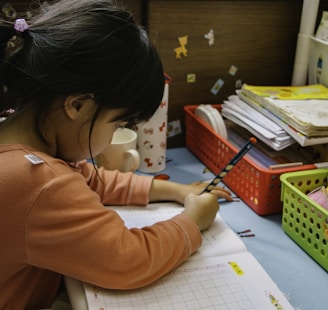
259, 188
304, 220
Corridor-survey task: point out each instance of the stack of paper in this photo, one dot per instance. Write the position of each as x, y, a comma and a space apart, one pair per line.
255, 122
302, 111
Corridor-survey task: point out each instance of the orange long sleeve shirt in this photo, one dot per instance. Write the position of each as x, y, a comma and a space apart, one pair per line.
53, 223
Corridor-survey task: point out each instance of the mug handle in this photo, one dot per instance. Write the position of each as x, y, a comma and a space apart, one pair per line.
135, 159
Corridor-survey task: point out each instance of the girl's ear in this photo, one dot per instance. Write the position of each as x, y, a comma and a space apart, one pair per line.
76, 106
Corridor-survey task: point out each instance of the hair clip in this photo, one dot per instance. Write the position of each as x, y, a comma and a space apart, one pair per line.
20, 25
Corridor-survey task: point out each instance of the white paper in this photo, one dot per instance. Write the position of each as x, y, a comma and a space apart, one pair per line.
219, 239
298, 136
228, 282
263, 128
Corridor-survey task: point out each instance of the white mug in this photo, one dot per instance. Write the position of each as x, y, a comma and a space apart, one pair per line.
121, 154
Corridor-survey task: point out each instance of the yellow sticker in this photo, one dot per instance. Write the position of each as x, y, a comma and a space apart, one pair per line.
181, 50
191, 78
236, 268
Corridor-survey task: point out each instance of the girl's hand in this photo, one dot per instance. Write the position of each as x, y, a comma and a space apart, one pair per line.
218, 191
171, 191
202, 209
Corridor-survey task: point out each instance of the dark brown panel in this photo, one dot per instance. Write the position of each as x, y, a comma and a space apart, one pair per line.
258, 37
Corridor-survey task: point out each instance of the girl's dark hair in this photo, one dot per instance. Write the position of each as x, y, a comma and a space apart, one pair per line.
81, 47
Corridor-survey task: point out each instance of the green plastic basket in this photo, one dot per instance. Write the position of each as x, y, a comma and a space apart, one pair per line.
305, 221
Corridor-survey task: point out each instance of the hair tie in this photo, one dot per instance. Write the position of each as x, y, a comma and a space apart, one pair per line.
20, 25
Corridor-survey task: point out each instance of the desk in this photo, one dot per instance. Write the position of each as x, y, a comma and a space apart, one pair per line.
297, 275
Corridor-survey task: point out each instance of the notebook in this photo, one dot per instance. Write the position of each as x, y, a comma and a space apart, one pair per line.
302, 107
299, 137
222, 274
256, 123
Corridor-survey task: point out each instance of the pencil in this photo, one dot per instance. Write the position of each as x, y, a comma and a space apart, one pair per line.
218, 178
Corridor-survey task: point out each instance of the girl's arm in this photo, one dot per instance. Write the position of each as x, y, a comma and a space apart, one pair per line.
127, 188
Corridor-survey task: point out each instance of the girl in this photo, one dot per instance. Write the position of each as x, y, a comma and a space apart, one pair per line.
72, 75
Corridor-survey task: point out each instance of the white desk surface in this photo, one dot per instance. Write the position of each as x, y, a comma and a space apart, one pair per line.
298, 276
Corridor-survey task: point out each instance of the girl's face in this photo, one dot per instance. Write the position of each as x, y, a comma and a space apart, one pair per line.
73, 139
103, 130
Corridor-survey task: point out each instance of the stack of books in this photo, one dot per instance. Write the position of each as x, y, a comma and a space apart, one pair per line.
300, 112
244, 115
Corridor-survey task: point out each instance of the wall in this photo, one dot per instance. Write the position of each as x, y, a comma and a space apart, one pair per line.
257, 37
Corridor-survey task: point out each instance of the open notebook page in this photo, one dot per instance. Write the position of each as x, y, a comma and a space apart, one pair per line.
218, 240
236, 281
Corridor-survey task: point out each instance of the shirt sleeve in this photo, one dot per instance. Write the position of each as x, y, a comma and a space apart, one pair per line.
69, 232
117, 188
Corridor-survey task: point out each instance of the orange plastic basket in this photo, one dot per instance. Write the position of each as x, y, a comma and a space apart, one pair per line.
259, 188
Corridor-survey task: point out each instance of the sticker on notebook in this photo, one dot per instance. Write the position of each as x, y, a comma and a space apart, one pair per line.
35, 160
274, 301
235, 267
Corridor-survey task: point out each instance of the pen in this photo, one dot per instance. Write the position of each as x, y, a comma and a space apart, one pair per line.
230, 165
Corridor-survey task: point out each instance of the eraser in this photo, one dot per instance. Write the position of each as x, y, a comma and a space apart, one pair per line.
253, 140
